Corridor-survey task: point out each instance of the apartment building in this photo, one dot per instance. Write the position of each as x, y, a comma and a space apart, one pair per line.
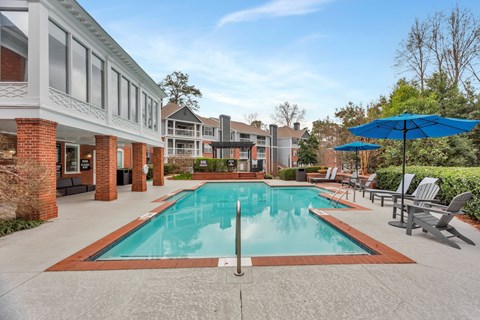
288, 144
187, 134
74, 99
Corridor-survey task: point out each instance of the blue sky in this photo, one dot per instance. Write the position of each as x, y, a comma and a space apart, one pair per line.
249, 56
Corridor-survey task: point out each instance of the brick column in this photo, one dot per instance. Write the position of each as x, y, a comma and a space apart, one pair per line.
158, 154
106, 153
139, 179
36, 140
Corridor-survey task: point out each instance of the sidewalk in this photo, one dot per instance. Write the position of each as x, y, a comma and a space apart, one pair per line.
443, 284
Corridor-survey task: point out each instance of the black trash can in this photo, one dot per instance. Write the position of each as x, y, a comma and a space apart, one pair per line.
301, 174
123, 177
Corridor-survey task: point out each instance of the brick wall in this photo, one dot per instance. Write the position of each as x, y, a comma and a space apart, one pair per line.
106, 147
158, 166
36, 141
139, 179
13, 66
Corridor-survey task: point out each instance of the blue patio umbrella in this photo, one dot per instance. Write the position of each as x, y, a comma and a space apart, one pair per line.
408, 126
357, 146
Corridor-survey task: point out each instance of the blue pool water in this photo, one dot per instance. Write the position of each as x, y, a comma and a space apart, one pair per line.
275, 222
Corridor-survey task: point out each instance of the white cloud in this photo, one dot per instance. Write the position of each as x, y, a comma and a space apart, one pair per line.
274, 8
235, 81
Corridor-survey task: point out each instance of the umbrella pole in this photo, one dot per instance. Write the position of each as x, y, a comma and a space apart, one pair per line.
356, 169
401, 223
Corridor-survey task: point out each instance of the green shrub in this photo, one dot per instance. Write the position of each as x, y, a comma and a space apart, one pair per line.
289, 173
268, 176
183, 176
171, 168
11, 226
451, 180
213, 165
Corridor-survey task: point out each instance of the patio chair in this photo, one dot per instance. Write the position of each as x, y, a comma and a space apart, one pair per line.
424, 195
389, 195
365, 184
408, 180
421, 216
352, 180
329, 179
327, 175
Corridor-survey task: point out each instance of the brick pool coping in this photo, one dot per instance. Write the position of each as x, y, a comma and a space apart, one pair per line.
79, 261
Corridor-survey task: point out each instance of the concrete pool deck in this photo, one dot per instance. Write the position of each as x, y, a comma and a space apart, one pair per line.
443, 284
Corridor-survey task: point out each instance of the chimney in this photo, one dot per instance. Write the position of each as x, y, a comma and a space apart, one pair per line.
225, 127
273, 150
296, 126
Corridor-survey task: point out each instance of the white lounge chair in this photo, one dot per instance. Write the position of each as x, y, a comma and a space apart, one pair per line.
421, 216
366, 184
327, 175
408, 180
329, 179
389, 195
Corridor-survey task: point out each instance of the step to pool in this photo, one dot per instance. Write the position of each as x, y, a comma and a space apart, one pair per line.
232, 262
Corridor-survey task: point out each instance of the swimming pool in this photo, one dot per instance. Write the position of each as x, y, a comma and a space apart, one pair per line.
276, 221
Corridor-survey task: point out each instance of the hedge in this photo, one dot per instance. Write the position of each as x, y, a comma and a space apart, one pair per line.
289, 173
171, 168
213, 165
451, 180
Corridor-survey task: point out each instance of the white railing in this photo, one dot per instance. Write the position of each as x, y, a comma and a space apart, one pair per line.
13, 89
261, 142
151, 133
173, 152
243, 155
183, 132
244, 139
261, 155
125, 123
71, 104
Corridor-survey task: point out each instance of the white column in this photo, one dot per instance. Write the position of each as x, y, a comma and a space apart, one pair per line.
108, 83
38, 64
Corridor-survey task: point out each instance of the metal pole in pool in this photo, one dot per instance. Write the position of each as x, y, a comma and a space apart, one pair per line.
238, 241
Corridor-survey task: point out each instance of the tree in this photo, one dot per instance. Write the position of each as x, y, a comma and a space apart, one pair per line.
179, 91
252, 119
307, 153
413, 54
286, 114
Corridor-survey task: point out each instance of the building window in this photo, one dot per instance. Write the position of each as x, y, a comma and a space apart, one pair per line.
98, 84
72, 158
14, 45
150, 113
155, 116
57, 46
207, 148
134, 103
144, 109
125, 98
208, 131
120, 154
114, 90
294, 153
79, 71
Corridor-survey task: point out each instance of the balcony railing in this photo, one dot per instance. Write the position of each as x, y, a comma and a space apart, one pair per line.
261, 155
183, 132
243, 155
261, 142
189, 152
244, 139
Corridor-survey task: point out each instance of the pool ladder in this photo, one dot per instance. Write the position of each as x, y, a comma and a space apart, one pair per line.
238, 240
346, 189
